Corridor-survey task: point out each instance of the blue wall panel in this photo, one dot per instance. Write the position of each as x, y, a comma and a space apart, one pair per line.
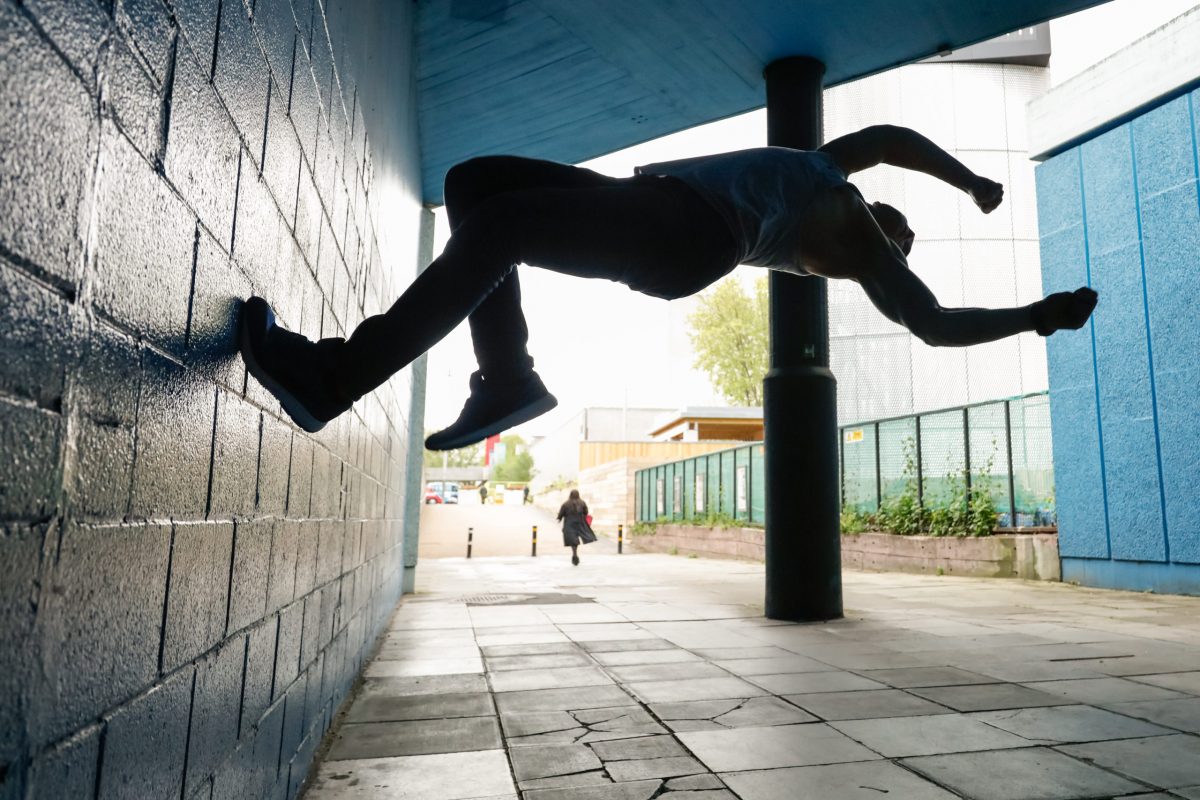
1124, 399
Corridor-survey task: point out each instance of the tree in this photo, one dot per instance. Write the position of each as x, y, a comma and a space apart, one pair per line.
517, 466
729, 332
471, 456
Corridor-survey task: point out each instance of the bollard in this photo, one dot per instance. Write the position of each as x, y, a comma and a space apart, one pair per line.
470, 538
533, 553
620, 538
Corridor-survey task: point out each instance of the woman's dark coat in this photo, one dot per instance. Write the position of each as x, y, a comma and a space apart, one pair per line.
575, 527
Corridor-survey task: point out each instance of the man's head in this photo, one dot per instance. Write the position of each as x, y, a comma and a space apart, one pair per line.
894, 224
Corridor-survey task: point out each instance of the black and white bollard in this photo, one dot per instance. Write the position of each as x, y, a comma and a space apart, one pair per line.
620, 537
470, 539
533, 552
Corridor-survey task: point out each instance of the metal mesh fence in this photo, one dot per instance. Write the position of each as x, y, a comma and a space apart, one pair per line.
1002, 447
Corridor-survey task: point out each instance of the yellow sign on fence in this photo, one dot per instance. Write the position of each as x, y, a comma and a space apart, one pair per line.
854, 435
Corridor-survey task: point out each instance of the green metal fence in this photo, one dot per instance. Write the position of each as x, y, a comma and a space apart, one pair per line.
1003, 446
726, 484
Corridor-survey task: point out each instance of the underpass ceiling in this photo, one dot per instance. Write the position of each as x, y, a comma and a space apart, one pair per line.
569, 80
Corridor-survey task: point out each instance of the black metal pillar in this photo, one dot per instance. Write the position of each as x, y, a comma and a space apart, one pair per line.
803, 540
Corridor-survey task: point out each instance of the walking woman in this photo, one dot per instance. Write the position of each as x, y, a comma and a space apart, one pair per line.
576, 530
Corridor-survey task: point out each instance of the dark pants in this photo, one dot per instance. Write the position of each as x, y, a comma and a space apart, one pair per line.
653, 234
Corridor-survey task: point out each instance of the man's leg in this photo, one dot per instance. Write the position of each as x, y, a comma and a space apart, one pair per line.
653, 235
499, 334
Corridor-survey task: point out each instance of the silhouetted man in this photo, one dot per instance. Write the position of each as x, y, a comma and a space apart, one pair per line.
669, 231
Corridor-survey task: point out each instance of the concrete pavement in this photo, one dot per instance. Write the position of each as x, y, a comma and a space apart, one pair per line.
500, 530
643, 676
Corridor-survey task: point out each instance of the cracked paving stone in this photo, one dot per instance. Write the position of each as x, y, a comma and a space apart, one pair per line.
591, 778
552, 737
687, 725
634, 790
562, 699
642, 748
532, 763
763, 712
654, 768
692, 782
697, 709
713, 794
541, 722
622, 645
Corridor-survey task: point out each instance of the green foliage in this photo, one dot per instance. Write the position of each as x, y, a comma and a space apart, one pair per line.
643, 529
962, 513
517, 466
729, 333
465, 457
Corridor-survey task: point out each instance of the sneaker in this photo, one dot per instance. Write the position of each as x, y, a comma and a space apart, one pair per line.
493, 408
288, 366
1064, 310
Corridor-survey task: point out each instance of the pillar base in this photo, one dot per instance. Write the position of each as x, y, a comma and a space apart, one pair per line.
803, 539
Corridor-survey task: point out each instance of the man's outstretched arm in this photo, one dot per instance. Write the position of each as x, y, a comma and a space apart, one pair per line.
903, 147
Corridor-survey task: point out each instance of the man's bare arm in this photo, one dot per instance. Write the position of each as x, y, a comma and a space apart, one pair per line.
903, 147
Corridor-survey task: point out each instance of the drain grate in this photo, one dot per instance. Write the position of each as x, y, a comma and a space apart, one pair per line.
547, 598
494, 599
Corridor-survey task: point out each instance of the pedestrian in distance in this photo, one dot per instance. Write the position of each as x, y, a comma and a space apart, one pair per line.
576, 527
483, 493
668, 231
524, 495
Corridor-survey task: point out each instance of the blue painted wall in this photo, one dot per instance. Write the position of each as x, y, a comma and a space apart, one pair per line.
1121, 213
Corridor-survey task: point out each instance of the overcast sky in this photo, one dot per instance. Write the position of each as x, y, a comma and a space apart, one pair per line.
597, 343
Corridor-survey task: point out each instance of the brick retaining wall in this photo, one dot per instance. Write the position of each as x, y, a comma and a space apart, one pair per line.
190, 583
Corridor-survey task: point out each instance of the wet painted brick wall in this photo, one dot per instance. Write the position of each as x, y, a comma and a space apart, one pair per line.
188, 583
1121, 213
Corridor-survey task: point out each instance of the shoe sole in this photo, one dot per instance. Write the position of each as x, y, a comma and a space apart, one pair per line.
523, 414
291, 406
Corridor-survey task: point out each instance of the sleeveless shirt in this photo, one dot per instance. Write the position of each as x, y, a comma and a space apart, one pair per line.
762, 193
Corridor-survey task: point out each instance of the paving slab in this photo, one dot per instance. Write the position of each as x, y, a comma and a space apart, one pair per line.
989, 697
1163, 762
531, 763
423, 666
621, 658
1188, 682
900, 737
426, 684
739, 749
444, 776
807, 682
1067, 724
1033, 774
653, 768
384, 708
869, 780
1183, 715
562, 699
772, 666
866, 704
572, 658
422, 737
538, 722
695, 709
635, 790
639, 748
717, 654
686, 670
917, 677
559, 678
1102, 691
591, 778
761, 712
695, 782
676, 691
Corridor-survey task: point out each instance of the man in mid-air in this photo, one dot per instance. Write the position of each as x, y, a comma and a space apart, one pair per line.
669, 231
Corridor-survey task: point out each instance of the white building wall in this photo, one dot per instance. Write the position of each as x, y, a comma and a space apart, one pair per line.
977, 112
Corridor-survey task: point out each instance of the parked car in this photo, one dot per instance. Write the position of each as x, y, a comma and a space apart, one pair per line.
432, 497
446, 490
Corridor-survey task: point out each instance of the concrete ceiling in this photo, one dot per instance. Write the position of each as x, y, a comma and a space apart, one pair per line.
569, 80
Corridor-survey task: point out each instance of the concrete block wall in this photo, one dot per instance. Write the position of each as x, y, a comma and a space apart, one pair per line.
1120, 212
188, 583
